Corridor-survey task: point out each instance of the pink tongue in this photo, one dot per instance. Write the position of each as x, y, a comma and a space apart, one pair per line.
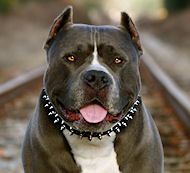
93, 113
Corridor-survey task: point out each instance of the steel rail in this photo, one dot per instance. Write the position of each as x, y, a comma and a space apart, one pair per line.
16, 86
175, 96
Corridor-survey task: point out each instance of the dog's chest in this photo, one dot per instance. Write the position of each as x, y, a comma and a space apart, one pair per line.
96, 156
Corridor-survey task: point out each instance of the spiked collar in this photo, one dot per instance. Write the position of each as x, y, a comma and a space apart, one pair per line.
57, 119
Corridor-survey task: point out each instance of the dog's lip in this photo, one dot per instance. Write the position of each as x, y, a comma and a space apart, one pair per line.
75, 115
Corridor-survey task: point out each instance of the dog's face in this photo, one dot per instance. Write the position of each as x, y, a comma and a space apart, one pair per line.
92, 78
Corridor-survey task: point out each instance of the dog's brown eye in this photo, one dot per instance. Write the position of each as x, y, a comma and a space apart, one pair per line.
118, 60
70, 58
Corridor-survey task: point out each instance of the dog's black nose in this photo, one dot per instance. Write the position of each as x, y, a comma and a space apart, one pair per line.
96, 79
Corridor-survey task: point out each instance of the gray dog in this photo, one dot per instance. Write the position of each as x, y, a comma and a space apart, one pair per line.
90, 117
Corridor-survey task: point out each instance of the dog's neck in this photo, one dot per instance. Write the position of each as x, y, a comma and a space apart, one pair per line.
96, 154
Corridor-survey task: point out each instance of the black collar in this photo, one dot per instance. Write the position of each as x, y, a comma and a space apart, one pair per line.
51, 112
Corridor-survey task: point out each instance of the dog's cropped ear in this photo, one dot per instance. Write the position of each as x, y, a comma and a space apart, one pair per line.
65, 18
128, 24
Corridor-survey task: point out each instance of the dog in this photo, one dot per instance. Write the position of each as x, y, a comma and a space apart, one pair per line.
90, 116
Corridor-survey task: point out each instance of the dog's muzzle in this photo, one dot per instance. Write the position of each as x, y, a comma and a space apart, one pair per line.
57, 119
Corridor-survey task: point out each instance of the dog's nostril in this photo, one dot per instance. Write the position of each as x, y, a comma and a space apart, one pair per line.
105, 79
90, 78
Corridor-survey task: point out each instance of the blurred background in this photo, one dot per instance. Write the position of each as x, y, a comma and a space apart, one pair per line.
164, 27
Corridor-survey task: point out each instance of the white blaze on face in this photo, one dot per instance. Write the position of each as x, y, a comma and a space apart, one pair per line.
97, 65
95, 54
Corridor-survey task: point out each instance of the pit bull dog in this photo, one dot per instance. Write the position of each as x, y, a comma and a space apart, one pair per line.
90, 117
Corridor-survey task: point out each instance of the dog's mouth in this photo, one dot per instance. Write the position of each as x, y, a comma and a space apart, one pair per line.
92, 113
90, 120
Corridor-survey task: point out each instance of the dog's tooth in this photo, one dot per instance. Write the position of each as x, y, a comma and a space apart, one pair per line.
131, 111
119, 124
62, 122
47, 98
44, 97
134, 109
56, 115
51, 107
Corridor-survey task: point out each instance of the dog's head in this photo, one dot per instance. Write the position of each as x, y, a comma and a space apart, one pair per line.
92, 77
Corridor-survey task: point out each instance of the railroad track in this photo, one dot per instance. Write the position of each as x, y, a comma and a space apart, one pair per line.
11, 89
172, 101
175, 96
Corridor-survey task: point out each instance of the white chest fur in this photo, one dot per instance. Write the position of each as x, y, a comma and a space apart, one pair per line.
96, 156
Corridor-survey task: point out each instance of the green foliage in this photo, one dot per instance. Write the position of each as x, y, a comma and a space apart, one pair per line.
6, 5
176, 5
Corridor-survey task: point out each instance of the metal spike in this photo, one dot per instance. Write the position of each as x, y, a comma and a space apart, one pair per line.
129, 116
126, 118
62, 122
51, 107
109, 133
90, 137
44, 96
46, 105
81, 135
119, 124
56, 115
53, 112
136, 103
62, 127
131, 111
47, 98
99, 136
134, 109
55, 121
117, 129
124, 124
71, 131
50, 113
